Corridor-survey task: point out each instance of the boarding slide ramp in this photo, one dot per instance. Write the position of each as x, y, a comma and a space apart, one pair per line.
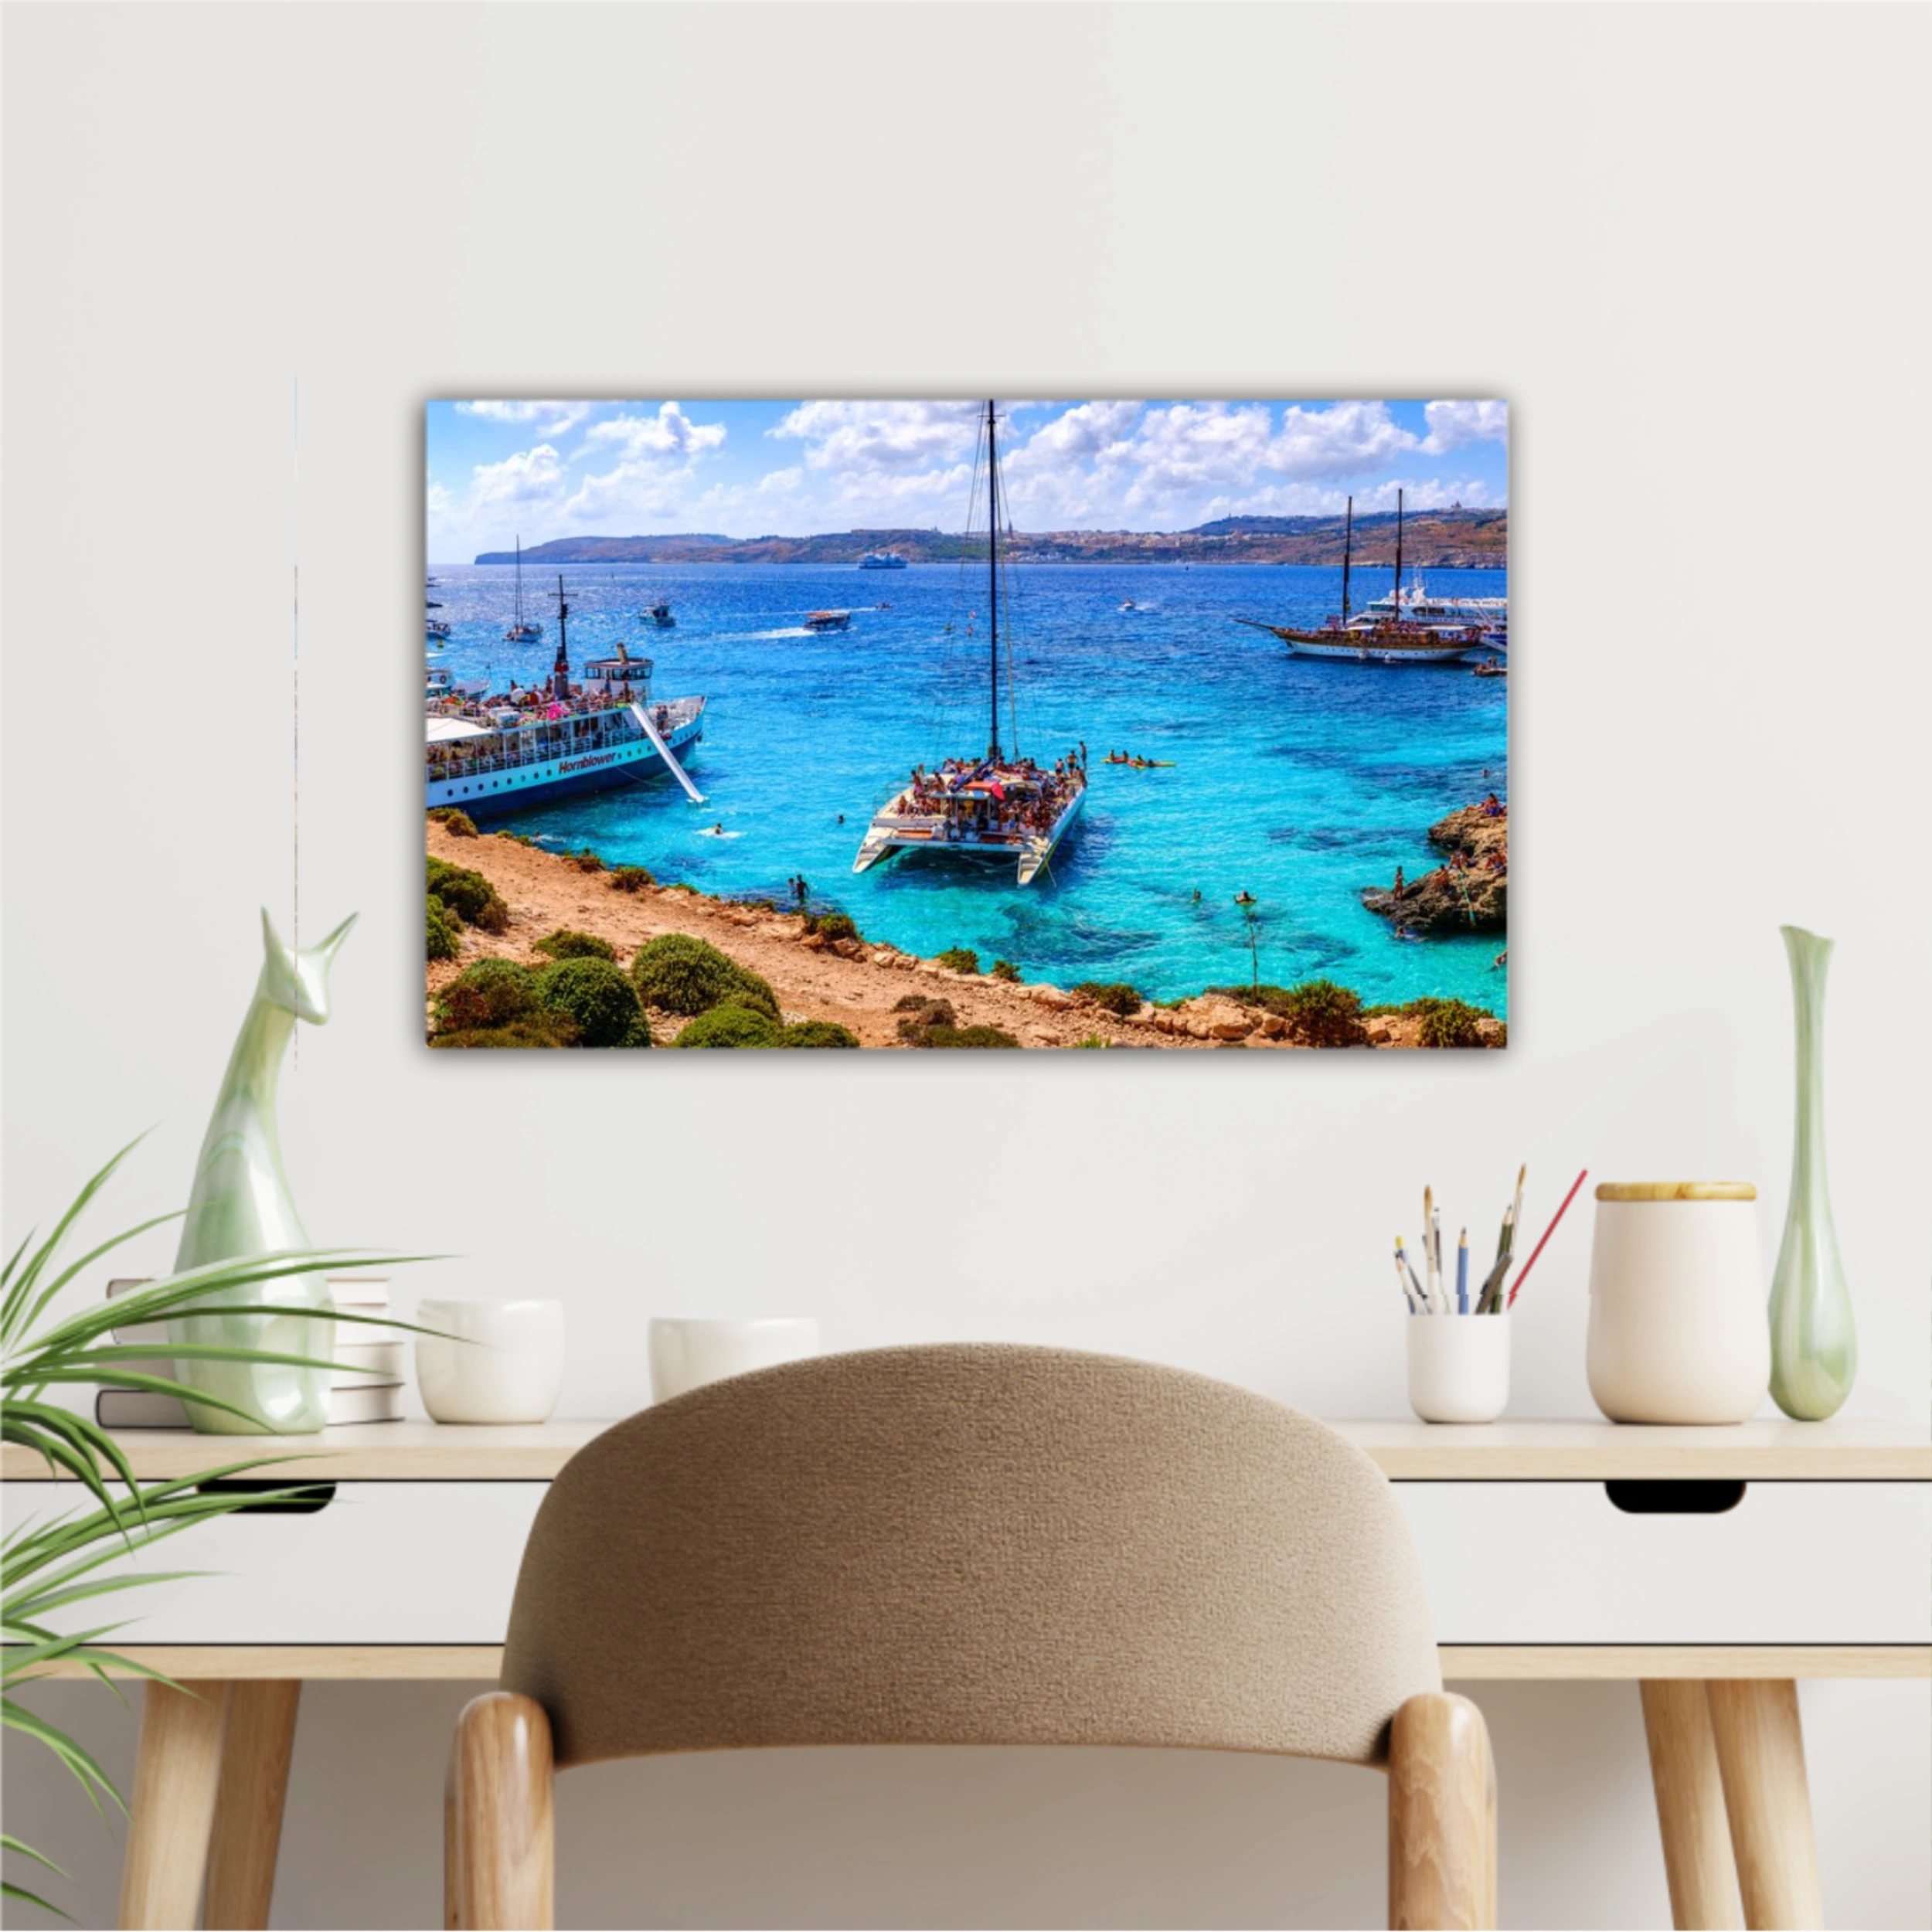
648, 726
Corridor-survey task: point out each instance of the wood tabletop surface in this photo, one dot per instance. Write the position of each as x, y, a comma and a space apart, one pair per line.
1575, 1450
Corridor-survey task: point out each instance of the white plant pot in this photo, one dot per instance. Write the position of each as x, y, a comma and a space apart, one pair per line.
1458, 1366
497, 1362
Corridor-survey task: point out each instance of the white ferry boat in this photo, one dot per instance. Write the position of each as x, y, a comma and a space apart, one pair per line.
1488, 616
492, 755
881, 560
1000, 806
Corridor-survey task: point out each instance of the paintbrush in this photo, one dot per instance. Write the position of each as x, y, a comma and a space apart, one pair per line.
1487, 1301
1403, 1260
1402, 1280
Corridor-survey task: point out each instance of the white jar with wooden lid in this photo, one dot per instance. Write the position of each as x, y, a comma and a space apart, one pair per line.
1678, 1328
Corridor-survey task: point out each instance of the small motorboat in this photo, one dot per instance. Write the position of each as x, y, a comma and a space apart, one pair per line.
658, 614
828, 620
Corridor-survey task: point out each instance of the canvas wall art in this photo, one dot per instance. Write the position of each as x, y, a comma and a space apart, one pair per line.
967, 723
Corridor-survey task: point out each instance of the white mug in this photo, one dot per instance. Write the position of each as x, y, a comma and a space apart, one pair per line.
686, 1355
492, 1362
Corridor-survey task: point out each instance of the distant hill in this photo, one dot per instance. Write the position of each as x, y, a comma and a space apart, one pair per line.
1431, 539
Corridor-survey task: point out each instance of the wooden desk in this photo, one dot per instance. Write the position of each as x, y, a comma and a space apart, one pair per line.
1552, 1549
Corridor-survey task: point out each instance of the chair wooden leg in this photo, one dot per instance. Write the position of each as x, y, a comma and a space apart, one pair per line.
1690, 1805
177, 1769
248, 1812
1760, 1752
1442, 1817
504, 1845
452, 1861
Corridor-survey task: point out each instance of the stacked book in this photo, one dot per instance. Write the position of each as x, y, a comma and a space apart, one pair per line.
367, 1385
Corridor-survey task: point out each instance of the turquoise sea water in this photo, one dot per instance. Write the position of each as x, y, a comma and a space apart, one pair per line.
1297, 780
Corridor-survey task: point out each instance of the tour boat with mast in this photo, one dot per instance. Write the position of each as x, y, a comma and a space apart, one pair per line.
521, 632
1369, 636
1001, 805
491, 755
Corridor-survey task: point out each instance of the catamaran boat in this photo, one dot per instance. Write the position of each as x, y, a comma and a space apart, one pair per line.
493, 755
1002, 805
1370, 638
522, 630
881, 560
828, 620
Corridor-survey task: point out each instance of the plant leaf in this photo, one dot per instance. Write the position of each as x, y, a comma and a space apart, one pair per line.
23, 1285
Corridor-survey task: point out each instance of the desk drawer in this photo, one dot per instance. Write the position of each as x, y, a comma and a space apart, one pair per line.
381, 1563
1560, 1562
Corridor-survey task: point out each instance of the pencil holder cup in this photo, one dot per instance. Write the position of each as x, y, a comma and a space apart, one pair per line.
1458, 1366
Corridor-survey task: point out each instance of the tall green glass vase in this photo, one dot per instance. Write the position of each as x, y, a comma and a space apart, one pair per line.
1815, 1348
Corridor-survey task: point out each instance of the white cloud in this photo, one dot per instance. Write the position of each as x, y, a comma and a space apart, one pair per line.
1337, 440
557, 419
532, 476
1453, 424
669, 433
859, 437
1085, 430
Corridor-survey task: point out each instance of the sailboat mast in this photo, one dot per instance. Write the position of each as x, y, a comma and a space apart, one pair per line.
519, 580
992, 584
1396, 614
1347, 544
560, 670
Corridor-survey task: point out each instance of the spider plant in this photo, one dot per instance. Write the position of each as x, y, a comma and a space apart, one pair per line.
80, 1555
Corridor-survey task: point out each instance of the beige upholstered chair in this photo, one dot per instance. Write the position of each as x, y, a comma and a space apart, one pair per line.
971, 1545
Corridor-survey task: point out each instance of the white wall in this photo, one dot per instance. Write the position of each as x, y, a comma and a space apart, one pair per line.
1689, 245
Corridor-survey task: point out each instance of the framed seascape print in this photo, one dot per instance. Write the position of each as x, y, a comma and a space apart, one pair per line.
967, 723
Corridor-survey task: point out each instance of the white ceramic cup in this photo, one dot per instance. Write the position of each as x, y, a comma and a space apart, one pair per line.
686, 1355
493, 1361
1458, 1366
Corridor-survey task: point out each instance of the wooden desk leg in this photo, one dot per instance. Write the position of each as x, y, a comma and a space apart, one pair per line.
248, 1813
1690, 1805
1761, 1751
176, 1770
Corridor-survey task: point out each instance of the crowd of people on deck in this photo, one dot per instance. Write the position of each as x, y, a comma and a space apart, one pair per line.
1016, 797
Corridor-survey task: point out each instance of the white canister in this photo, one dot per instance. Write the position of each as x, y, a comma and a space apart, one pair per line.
1458, 1366
491, 1361
686, 1355
1678, 1328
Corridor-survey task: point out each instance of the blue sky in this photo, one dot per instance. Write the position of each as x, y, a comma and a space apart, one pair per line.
539, 469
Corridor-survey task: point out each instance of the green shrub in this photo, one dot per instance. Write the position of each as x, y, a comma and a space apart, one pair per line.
594, 994
921, 1014
832, 925
818, 1032
566, 943
640, 1033
629, 879
1005, 969
681, 975
538, 1030
1447, 1022
1320, 1013
728, 1026
952, 1036
587, 861
469, 895
958, 959
442, 930
1111, 996
454, 820
492, 992
1091, 1041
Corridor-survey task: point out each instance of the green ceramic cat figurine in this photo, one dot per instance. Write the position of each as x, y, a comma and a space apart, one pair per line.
241, 1206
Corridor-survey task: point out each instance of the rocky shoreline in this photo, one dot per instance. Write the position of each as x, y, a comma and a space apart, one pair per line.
1469, 891
869, 987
